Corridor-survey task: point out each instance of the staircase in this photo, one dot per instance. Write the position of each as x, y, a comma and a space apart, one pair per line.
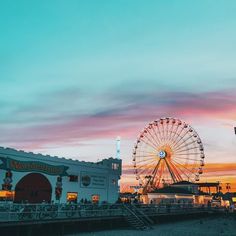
136, 218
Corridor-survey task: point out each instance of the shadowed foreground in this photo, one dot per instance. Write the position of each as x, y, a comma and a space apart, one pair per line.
224, 225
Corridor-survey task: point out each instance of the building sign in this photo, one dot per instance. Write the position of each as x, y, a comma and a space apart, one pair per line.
93, 180
28, 166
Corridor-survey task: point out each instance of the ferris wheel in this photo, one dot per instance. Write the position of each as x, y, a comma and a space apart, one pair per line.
167, 151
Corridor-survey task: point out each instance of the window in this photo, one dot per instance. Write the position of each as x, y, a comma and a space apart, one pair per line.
113, 181
115, 166
72, 197
73, 178
95, 198
6, 195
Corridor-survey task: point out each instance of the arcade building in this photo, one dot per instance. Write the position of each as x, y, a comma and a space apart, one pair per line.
37, 178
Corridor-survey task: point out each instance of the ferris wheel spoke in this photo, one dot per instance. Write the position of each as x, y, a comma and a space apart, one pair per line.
155, 172
181, 138
173, 137
145, 171
141, 164
170, 133
170, 130
160, 132
157, 182
149, 140
156, 133
171, 172
155, 140
182, 158
150, 145
144, 162
181, 171
164, 131
175, 170
153, 175
166, 127
185, 150
146, 152
184, 167
186, 144
177, 137
187, 154
169, 126
149, 155
148, 166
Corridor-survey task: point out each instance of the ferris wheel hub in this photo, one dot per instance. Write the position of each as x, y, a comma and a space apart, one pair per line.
162, 154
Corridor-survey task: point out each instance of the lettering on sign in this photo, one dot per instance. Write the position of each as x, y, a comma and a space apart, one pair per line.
27, 166
93, 180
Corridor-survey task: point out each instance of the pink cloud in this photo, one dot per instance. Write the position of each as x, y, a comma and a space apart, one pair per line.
126, 120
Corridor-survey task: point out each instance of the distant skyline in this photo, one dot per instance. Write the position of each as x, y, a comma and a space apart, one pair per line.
74, 75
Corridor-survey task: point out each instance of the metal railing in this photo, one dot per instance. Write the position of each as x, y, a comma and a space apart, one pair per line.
35, 212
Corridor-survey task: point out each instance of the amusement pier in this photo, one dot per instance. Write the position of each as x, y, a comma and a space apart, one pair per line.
42, 193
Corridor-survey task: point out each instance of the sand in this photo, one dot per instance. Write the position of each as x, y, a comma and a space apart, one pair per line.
198, 227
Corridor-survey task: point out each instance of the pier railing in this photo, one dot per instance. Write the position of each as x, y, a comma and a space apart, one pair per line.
35, 212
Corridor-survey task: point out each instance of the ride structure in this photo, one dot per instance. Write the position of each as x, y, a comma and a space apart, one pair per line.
167, 151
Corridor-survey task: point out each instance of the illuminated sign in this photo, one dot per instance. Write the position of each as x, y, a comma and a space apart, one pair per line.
27, 166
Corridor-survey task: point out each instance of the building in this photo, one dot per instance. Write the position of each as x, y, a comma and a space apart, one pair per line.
36, 178
182, 192
171, 195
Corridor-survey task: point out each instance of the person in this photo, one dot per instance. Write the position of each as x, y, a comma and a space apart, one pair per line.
209, 204
232, 207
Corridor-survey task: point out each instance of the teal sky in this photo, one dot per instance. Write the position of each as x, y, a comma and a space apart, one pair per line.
75, 74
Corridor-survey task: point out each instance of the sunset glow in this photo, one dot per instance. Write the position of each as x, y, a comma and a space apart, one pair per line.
75, 75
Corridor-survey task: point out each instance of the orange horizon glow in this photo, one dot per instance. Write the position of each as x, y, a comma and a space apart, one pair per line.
212, 172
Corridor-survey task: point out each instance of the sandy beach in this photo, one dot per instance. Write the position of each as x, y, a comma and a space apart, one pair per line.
205, 226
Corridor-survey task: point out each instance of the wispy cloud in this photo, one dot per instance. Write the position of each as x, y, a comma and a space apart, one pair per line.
125, 114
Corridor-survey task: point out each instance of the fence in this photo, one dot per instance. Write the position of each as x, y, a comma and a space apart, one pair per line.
34, 212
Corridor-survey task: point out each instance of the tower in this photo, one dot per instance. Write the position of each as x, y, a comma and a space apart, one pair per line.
118, 147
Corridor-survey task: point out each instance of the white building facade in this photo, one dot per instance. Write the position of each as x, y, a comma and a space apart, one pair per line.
35, 178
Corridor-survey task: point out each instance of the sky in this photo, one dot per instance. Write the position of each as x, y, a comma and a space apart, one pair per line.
76, 74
